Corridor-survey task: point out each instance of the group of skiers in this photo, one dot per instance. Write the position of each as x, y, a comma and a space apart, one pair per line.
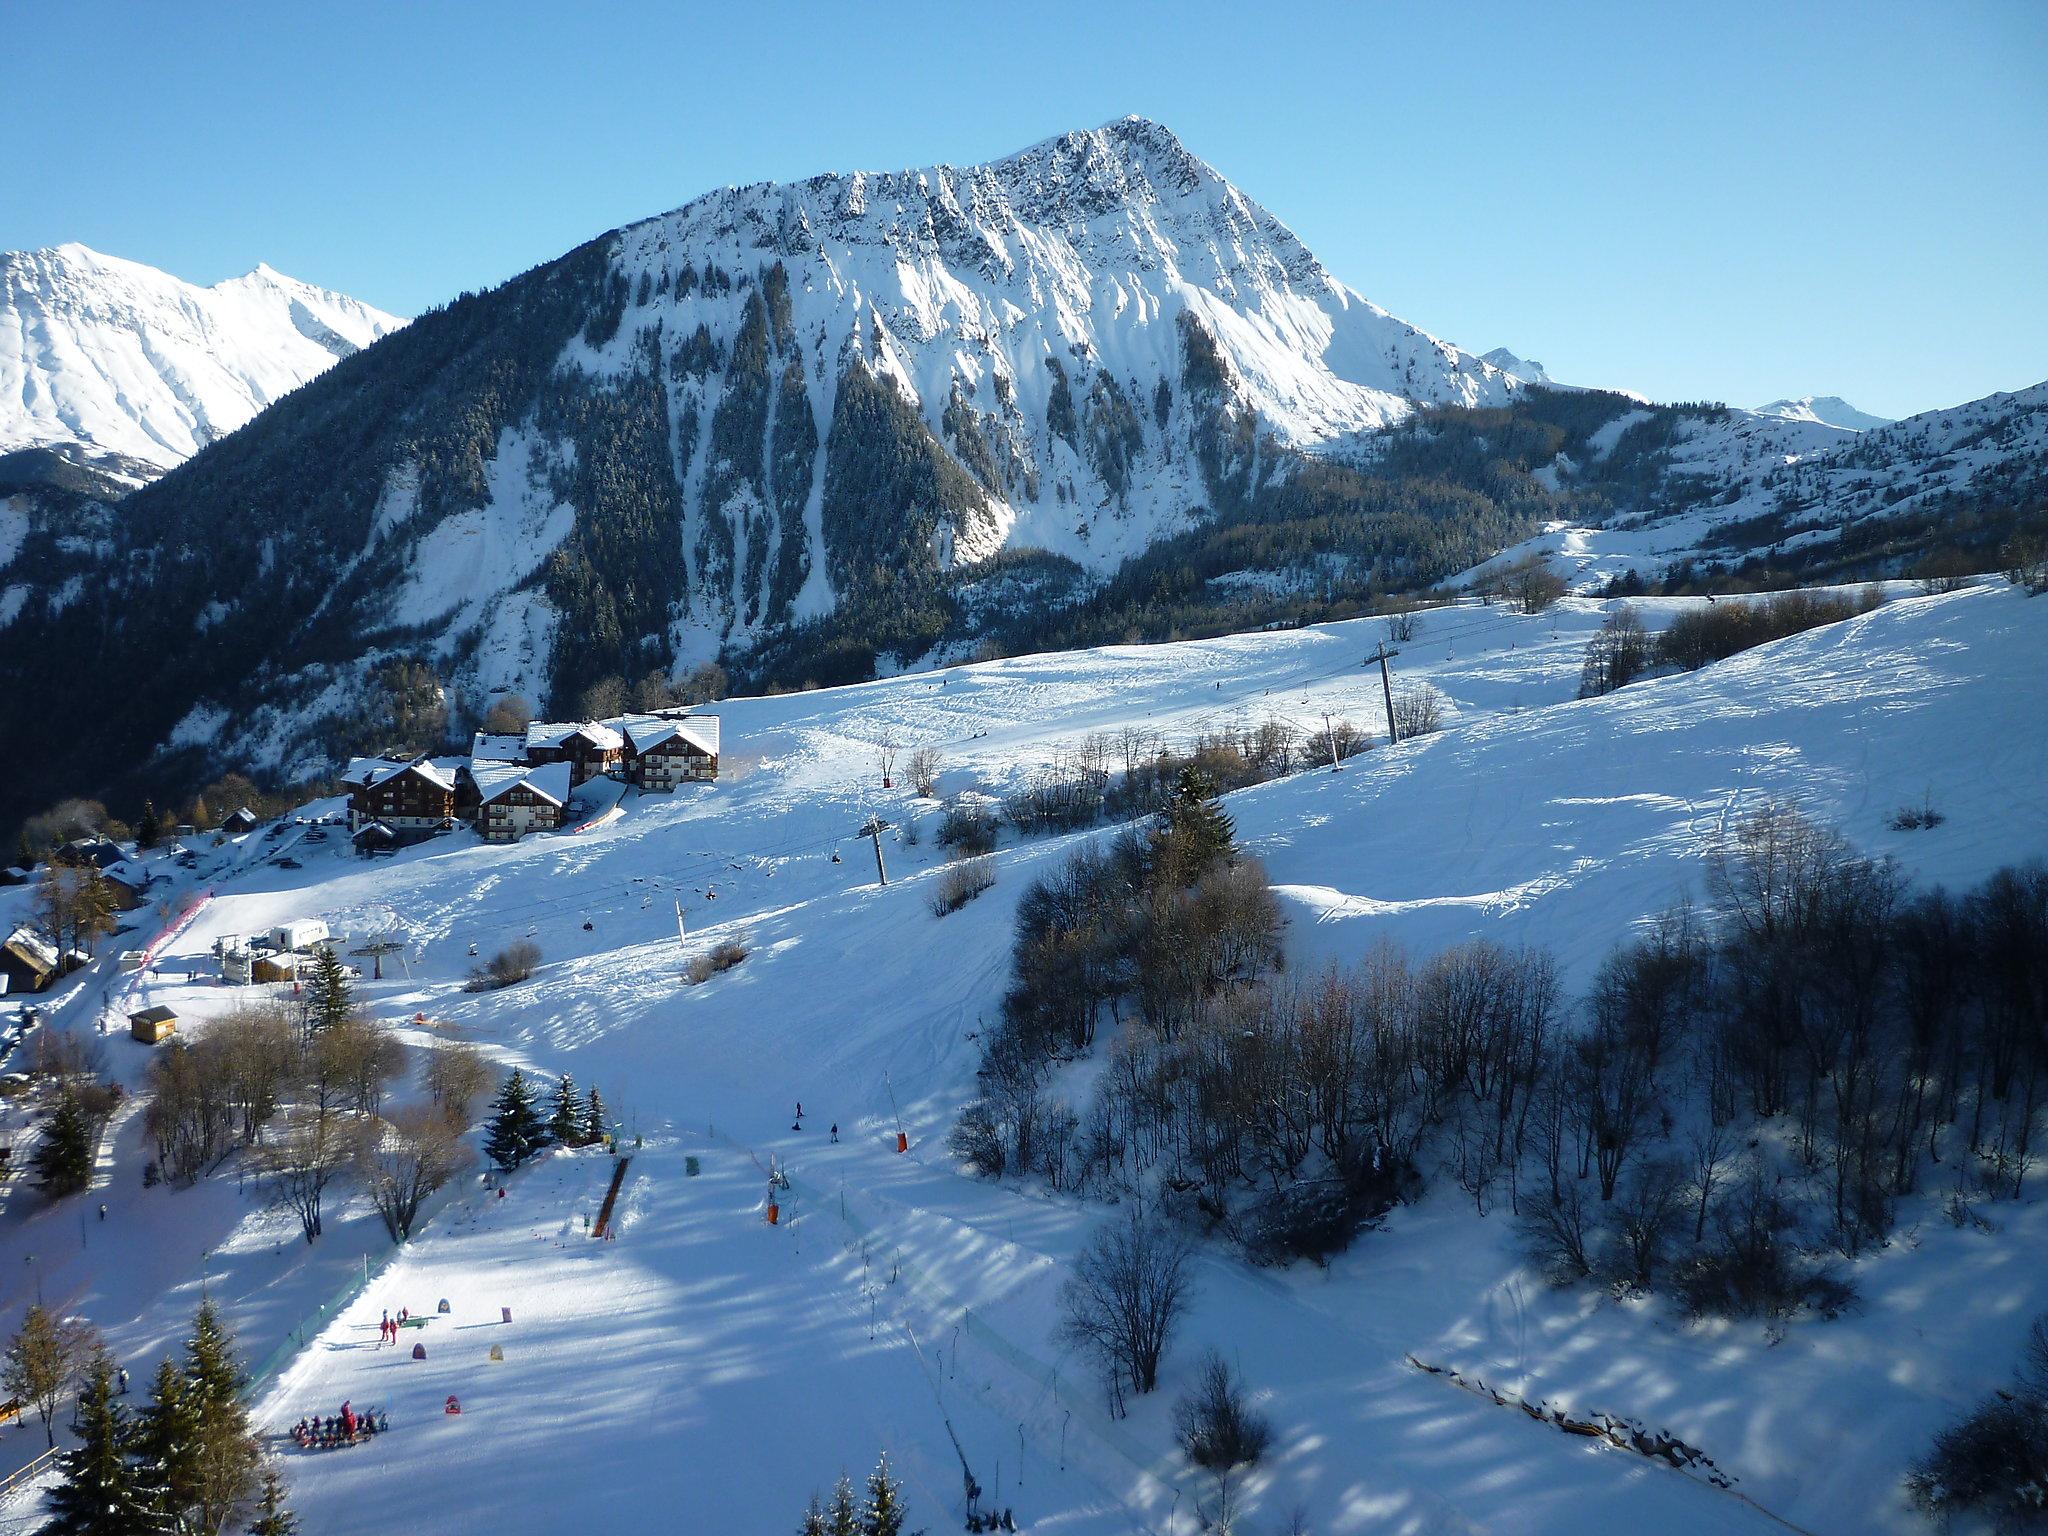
387, 1331
798, 1124
344, 1428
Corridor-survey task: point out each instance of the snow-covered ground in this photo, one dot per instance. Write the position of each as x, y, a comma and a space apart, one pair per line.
707, 1371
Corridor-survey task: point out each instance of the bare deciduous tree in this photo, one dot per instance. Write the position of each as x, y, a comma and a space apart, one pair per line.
456, 1076
1128, 1287
924, 771
43, 1358
309, 1153
405, 1160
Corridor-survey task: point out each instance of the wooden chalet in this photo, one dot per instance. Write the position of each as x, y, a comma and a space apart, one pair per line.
152, 1025
667, 750
513, 800
241, 821
591, 749
418, 795
95, 852
127, 886
27, 962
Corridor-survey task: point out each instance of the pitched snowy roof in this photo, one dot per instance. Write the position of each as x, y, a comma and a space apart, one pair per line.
29, 944
550, 781
646, 731
555, 733
369, 772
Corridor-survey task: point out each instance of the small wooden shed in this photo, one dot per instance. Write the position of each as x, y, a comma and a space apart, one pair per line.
274, 967
152, 1025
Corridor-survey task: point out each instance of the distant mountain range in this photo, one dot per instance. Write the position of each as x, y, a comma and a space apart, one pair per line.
117, 358
812, 430
1828, 410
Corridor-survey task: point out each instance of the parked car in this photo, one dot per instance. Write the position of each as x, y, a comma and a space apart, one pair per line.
289, 864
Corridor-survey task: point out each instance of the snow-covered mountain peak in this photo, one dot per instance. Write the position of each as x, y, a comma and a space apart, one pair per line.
1525, 369
1827, 410
124, 358
1085, 249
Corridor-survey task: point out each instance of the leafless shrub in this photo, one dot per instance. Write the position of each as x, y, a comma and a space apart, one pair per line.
1561, 1234
1418, 711
1912, 818
924, 771
722, 957
961, 882
1219, 1430
508, 967
969, 827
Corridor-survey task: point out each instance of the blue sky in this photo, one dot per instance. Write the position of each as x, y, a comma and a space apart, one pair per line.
1730, 202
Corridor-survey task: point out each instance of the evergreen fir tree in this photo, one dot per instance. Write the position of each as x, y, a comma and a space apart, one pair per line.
149, 830
224, 1447
1193, 833
842, 1517
63, 1158
814, 1519
24, 851
516, 1131
329, 996
882, 1514
272, 1518
566, 1125
167, 1453
594, 1128
213, 1376
97, 1495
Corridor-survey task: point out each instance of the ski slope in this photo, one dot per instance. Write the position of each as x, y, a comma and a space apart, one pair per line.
707, 1371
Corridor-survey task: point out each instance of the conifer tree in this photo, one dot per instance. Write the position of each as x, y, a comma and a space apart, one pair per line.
516, 1131
63, 1158
882, 1514
814, 1519
226, 1452
96, 1495
213, 1376
272, 1518
329, 996
149, 830
594, 1128
166, 1448
566, 1125
842, 1516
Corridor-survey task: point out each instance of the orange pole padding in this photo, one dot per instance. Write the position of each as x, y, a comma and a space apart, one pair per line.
902, 1142
774, 1213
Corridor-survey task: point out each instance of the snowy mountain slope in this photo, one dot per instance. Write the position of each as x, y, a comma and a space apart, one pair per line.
1828, 410
1796, 492
710, 1369
1038, 313
127, 359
